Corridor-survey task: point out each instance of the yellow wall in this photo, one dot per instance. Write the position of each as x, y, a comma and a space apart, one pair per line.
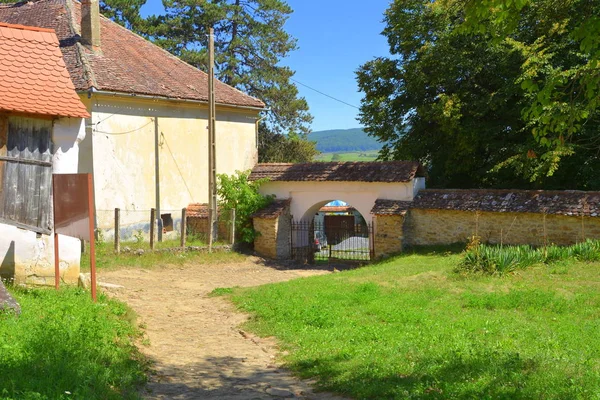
124, 160
431, 227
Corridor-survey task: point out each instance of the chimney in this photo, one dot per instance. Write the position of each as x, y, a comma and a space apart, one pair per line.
90, 22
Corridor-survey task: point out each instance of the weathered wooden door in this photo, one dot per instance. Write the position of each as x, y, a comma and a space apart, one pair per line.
26, 173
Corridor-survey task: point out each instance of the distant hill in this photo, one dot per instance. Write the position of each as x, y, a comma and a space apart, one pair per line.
344, 140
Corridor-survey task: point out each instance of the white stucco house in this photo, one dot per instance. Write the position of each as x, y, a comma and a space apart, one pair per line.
141, 99
41, 126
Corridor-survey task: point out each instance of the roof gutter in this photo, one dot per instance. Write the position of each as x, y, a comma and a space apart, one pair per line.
92, 90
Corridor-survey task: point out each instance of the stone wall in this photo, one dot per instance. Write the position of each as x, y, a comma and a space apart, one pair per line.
388, 234
284, 232
265, 243
434, 227
274, 236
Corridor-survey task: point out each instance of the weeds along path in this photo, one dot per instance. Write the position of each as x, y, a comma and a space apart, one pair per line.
195, 341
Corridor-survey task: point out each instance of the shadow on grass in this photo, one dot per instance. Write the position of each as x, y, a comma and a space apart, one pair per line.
333, 265
496, 376
435, 250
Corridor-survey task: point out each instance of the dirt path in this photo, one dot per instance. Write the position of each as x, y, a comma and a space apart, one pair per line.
198, 348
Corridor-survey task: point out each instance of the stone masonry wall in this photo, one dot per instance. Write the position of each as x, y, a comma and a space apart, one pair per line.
284, 232
266, 242
431, 227
388, 234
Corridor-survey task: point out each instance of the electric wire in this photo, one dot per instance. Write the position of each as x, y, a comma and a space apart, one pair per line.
324, 94
126, 132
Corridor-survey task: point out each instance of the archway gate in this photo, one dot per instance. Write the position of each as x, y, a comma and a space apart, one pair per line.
312, 241
305, 188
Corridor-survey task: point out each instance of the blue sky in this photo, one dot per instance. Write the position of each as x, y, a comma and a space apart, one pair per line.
334, 37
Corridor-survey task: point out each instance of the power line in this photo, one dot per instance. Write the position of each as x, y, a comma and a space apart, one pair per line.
124, 133
325, 94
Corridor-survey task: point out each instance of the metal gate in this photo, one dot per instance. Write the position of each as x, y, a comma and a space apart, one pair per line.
310, 242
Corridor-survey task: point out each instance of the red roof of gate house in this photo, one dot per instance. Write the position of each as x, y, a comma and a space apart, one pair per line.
33, 76
126, 63
350, 171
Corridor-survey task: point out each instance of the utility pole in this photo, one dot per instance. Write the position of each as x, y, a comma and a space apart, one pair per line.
212, 165
157, 179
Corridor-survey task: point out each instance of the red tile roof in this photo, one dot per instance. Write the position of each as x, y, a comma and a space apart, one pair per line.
33, 76
273, 210
360, 171
337, 209
126, 62
567, 202
390, 207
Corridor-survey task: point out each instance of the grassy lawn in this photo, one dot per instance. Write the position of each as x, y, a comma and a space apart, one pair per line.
107, 259
410, 327
369, 155
63, 346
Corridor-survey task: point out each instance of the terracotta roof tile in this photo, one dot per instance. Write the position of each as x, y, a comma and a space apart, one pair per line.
33, 76
570, 203
388, 171
273, 210
126, 63
390, 207
336, 209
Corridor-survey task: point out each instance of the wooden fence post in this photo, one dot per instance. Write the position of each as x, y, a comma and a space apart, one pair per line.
183, 227
152, 227
117, 230
232, 221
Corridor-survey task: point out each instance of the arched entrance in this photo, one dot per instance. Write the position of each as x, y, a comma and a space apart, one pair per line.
332, 230
306, 188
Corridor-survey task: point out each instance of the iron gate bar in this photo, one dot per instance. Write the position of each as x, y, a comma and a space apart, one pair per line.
309, 242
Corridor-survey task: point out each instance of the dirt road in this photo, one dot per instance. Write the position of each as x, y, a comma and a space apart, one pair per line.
196, 343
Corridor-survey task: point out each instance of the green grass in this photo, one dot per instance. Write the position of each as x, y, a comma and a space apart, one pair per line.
63, 346
369, 155
410, 327
107, 259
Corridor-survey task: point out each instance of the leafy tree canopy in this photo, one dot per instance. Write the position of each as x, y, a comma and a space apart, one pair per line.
459, 98
274, 147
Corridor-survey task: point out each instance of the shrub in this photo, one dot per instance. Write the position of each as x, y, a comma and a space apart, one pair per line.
586, 251
237, 192
495, 259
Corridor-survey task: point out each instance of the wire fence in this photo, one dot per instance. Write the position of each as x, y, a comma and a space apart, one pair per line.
143, 229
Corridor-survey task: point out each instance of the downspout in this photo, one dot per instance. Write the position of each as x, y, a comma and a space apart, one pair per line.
256, 126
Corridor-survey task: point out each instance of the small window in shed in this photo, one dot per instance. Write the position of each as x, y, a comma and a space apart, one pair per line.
167, 221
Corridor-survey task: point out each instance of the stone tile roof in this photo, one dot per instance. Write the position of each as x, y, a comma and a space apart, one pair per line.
33, 76
390, 207
273, 210
373, 171
127, 63
570, 203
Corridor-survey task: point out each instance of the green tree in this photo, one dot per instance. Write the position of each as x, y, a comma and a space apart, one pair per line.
237, 192
453, 98
124, 12
560, 72
277, 148
250, 42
